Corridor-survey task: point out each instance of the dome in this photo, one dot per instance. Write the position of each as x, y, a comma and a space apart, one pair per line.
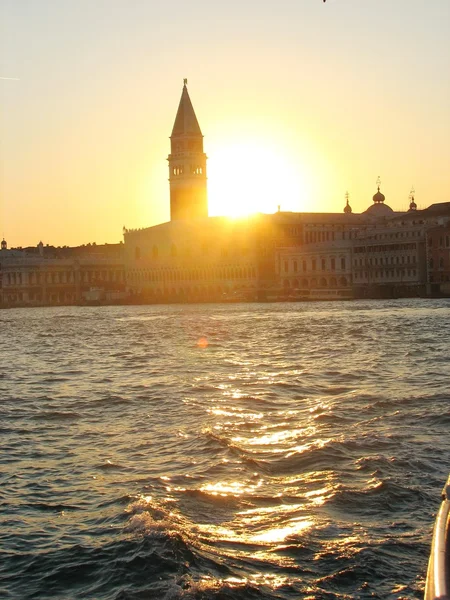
412, 202
379, 209
347, 208
379, 197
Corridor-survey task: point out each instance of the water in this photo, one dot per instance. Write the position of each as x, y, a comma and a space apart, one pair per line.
222, 451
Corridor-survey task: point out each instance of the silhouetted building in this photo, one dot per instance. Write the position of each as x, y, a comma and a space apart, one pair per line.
438, 255
196, 258
187, 164
49, 276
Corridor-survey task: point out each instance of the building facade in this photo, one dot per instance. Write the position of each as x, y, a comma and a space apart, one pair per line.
438, 259
48, 276
196, 258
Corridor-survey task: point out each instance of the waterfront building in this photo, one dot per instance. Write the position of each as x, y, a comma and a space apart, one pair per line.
194, 257
49, 276
438, 255
191, 260
389, 260
392, 257
320, 266
197, 258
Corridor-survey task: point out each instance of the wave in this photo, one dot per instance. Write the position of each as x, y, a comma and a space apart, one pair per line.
379, 497
56, 415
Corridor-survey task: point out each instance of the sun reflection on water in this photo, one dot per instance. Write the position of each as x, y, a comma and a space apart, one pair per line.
279, 534
235, 488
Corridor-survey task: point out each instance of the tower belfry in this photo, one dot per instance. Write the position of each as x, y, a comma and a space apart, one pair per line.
187, 164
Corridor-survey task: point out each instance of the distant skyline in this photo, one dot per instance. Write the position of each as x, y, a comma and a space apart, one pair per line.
298, 101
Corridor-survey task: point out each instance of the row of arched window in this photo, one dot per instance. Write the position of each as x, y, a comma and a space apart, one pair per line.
202, 291
386, 260
439, 241
207, 274
314, 282
441, 263
60, 277
386, 274
395, 235
312, 237
314, 264
385, 248
205, 249
193, 170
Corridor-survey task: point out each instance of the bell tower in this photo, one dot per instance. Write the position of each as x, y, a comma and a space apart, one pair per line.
187, 164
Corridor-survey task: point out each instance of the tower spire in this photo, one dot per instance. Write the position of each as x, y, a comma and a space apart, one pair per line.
186, 122
187, 164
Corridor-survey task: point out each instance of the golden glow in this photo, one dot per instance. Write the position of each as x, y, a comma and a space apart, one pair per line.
279, 534
255, 515
273, 438
318, 497
223, 488
251, 176
202, 342
237, 412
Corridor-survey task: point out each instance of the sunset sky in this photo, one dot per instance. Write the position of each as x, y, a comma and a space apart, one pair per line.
298, 100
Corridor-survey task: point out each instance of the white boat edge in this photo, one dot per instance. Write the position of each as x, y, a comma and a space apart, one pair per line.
438, 574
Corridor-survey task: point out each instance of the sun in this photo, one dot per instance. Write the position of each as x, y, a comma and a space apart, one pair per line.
248, 177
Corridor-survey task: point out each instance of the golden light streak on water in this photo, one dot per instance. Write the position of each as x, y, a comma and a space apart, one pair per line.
224, 488
279, 534
225, 473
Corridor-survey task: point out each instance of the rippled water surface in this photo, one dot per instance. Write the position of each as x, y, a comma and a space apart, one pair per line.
246, 451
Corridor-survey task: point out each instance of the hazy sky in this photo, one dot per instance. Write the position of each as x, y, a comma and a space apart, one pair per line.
298, 100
